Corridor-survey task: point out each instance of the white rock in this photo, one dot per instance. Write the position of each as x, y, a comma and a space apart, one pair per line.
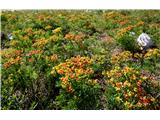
10, 36
144, 41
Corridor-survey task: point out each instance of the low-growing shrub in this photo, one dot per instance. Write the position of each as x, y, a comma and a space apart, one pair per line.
77, 89
129, 89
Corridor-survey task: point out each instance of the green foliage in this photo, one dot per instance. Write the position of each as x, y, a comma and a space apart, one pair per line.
84, 40
128, 42
84, 97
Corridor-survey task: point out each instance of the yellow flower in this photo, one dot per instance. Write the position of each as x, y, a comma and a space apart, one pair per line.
57, 30
47, 58
135, 89
53, 38
137, 55
40, 43
153, 99
93, 82
122, 57
126, 83
112, 79
118, 99
152, 53
139, 104
127, 104
59, 15
117, 88
16, 32
133, 77
13, 42
130, 93
48, 27
144, 77
54, 57
53, 72
139, 23
126, 69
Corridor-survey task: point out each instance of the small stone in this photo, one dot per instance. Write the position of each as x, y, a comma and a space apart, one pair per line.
10, 37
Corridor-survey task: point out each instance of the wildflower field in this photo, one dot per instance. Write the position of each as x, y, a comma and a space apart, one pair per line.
79, 60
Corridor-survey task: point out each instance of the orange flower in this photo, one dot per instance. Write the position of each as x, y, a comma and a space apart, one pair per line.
74, 37
119, 84
33, 52
145, 101
73, 69
124, 22
30, 60
126, 83
69, 89
12, 61
40, 43
69, 36
79, 37
60, 71
124, 30
139, 83
118, 74
54, 57
133, 77
11, 53
139, 23
126, 69
139, 90
126, 95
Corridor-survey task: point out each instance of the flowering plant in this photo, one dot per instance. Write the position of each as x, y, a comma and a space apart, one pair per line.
75, 80
128, 89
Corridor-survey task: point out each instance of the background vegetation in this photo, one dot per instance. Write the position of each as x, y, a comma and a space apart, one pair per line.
79, 60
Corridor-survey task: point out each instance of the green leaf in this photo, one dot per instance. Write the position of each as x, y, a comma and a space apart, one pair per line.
35, 75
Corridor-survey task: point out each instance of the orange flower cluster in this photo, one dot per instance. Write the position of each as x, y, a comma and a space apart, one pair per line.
122, 57
73, 37
12, 61
128, 83
122, 31
41, 17
69, 36
139, 23
33, 52
73, 69
11, 53
52, 58
111, 15
29, 31
123, 22
40, 43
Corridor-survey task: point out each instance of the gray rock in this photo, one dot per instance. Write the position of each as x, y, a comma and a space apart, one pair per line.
9, 35
145, 42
